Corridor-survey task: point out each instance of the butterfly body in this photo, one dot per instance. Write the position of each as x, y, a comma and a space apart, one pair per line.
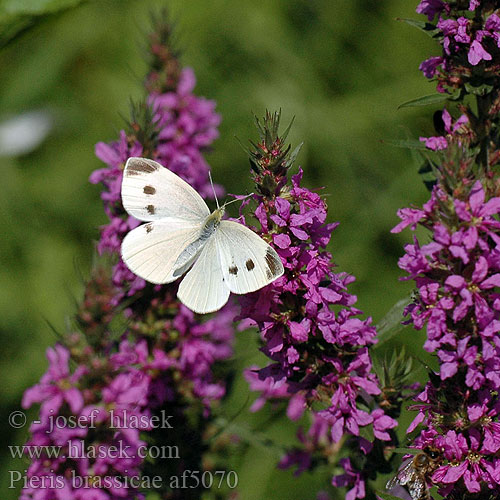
208, 229
181, 235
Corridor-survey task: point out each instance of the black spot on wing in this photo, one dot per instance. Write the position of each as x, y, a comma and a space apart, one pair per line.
273, 268
149, 227
140, 167
151, 209
250, 264
233, 270
149, 190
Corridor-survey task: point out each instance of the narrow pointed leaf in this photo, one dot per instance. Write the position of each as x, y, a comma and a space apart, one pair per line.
406, 451
294, 155
390, 324
425, 100
285, 133
405, 143
428, 28
386, 496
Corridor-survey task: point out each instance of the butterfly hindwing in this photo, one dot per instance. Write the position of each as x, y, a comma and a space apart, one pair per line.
151, 250
248, 262
203, 289
151, 192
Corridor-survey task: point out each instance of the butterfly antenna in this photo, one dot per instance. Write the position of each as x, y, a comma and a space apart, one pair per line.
213, 189
237, 199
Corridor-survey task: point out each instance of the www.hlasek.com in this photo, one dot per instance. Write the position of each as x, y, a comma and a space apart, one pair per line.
77, 449
187, 480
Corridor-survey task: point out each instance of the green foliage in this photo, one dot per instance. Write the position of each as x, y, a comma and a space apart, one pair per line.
141, 126
19, 15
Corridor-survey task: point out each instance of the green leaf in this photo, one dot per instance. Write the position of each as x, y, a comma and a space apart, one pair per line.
36, 7
285, 133
406, 451
428, 174
482, 89
405, 143
426, 100
17, 16
425, 168
390, 324
252, 437
386, 496
294, 155
428, 28
367, 433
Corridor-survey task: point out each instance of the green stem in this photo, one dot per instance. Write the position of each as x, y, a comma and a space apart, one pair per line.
483, 106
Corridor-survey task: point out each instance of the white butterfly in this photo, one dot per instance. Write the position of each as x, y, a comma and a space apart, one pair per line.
181, 234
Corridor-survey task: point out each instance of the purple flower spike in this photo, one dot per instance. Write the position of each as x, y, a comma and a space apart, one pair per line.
161, 360
457, 276
317, 343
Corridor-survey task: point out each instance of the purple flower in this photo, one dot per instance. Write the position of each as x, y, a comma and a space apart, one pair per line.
483, 414
381, 424
469, 292
492, 23
477, 53
462, 35
472, 466
477, 212
351, 477
464, 357
300, 458
435, 143
431, 7
452, 128
57, 386
430, 66
269, 387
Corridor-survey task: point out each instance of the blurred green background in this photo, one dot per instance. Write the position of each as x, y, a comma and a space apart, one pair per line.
340, 67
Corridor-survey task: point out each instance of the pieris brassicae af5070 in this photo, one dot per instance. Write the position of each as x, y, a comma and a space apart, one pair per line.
181, 235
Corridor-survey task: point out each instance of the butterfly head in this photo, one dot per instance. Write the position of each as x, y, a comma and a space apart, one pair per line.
215, 217
218, 213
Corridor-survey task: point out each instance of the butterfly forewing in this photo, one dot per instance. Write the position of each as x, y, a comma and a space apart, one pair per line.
151, 250
248, 262
151, 192
203, 289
